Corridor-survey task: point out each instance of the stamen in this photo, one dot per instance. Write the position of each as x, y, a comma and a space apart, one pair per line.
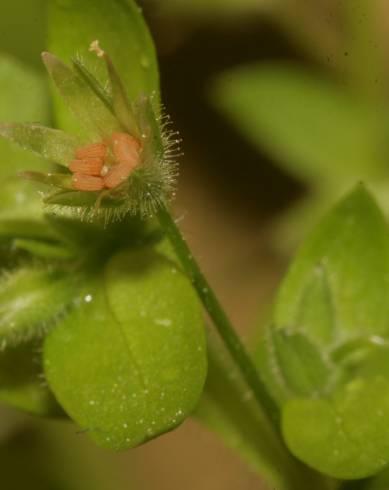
94, 150
88, 166
87, 183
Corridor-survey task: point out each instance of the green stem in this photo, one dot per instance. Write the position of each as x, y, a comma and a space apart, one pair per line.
219, 317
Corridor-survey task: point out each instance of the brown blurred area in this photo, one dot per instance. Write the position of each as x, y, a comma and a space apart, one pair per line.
228, 201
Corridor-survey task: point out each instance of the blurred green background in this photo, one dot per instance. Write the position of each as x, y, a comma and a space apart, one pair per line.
282, 106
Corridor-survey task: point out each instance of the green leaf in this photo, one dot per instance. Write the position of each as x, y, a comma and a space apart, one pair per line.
122, 32
93, 114
289, 353
337, 287
129, 363
32, 299
314, 129
51, 144
321, 359
344, 435
23, 97
22, 384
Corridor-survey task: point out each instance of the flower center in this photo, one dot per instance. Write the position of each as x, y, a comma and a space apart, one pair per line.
105, 165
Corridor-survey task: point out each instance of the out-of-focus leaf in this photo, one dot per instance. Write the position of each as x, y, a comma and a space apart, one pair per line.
325, 357
23, 29
129, 362
122, 32
316, 131
32, 299
22, 384
23, 97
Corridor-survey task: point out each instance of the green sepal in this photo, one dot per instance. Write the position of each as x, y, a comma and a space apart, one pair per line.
129, 363
121, 104
52, 144
79, 199
58, 180
153, 144
93, 83
92, 113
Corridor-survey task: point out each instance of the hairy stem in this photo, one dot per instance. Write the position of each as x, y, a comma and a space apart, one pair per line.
219, 317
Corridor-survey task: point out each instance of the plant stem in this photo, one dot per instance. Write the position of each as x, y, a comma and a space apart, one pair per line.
219, 317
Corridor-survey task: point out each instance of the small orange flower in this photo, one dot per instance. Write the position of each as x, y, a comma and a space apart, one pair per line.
126, 162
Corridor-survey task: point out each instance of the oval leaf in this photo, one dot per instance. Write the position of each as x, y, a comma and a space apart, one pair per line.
129, 363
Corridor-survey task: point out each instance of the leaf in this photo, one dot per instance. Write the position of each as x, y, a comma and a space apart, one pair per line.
129, 363
316, 131
51, 144
341, 270
32, 299
21, 381
92, 113
122, 32
23, 97
344, 435
300, 369
321, 358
